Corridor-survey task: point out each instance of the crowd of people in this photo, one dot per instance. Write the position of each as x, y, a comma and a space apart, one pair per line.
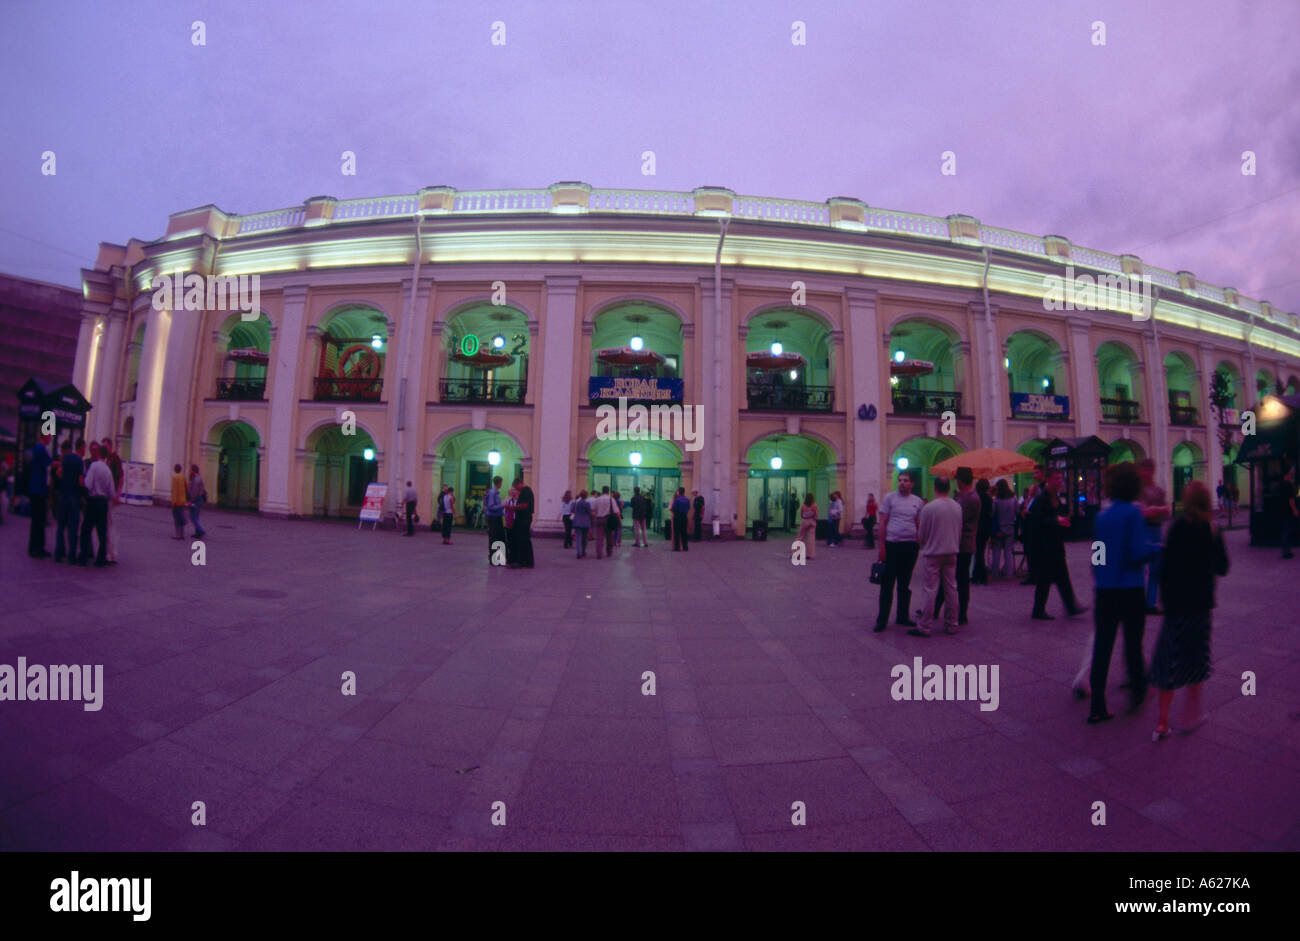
1140, 568
80, 490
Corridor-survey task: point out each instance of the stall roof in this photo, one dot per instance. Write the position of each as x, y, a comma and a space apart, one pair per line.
1089, 446
63, 398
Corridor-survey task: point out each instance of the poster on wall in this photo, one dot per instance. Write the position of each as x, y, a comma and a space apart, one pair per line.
372, 507
137, 483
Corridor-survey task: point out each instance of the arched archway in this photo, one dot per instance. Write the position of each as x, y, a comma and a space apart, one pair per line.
918, 455
339, 467
465, 463
1182, 384
353, 348
243, 349
653, 466
804, 384
234, 471
1035, 365
1119, 383
634, 339
1188, 464
1265, 384
1233, 384
1126, 449
927, 339
783, 469
485, 355
134, 349
1036, 449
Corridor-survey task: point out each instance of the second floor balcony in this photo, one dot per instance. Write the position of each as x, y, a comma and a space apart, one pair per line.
482, 391
334, 389
925, 402
764, 397
1183, 415
1120, 411
242, 390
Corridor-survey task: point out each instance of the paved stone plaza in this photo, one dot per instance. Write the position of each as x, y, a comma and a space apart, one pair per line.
477, 685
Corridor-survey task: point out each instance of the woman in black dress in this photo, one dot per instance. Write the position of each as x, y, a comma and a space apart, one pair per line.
1194, 554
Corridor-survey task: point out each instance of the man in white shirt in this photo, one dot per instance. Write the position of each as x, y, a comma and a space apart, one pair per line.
99, 489
940, 532
898, 549
601, 506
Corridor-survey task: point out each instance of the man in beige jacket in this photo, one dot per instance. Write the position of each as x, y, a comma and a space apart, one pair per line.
939, 531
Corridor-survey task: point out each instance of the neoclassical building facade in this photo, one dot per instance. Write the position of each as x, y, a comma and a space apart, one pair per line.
447, 336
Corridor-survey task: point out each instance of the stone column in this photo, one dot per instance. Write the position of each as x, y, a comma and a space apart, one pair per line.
175, 397
283, 380
867, 450
1157, 412
715, 417
144, 436
554, 406
107, 392
1210, 421
86, 341
1085, 407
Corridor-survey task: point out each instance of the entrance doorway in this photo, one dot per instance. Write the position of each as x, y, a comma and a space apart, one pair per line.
658, 483
775, 496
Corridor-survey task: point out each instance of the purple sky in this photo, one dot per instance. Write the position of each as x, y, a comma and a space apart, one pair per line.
1121, 147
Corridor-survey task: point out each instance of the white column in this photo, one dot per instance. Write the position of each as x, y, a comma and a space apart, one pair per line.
1085, 408
106, 391
1157, 413
174, 400
1210, 421
144, 436
868, 437
715, 412
409, 448
85, 354
554, 406
283, 378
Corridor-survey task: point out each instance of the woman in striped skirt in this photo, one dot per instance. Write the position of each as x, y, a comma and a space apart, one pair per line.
1194, 554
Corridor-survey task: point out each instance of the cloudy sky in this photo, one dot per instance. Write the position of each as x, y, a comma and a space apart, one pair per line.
1134, 146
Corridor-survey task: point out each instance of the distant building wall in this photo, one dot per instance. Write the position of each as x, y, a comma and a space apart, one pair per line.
39, 323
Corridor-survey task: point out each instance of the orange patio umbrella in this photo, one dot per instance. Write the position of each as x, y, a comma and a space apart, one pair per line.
985, 462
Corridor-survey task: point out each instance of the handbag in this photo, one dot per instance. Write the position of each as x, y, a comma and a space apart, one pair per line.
877, 572
611, 522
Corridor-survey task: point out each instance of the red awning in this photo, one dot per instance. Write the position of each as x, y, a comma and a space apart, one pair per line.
626, 356
484, 360
910, 367
775, 362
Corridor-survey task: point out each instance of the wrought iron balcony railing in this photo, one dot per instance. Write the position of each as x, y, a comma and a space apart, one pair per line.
242, 390
768, 398
1182, 415
333, 389
925, 402
483, 391
1122, 411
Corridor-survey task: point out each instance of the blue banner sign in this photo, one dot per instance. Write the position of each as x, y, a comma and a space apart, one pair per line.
634, 388
1037, 403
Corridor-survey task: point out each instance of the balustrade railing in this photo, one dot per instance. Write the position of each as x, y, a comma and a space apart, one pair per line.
763, 397
1183, 415
242, 390
1121, 411
925, 402
334, 389
483, 391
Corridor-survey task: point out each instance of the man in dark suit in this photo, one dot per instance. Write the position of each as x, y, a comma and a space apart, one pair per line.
1048, 525
519, 532
698, 506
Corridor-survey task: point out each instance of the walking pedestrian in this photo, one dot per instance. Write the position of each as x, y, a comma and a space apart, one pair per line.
834, 513
1290, 513
448, 514
566, 514
198, 496
87, 521
970, 506
640, 512
1119, 597
1047, 535
899, 545
1026, 531
939, 530
72, 470
980, 574
411, 498
869, 521
522, 529
1155, 510
601, 513
697, 505
808, 525
1003, 538
180, 496
581, 522
1194, 555
494, 512
508, 520
618, 508
681, 510
38, 492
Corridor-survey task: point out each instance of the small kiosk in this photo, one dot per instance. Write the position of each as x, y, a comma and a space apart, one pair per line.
1081, 462
35, 398
1267, 454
